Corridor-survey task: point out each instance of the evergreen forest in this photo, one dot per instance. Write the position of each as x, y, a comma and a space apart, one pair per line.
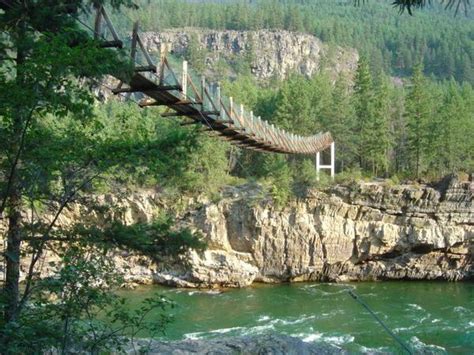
392, 42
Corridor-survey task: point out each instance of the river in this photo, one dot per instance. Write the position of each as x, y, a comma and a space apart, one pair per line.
435, 316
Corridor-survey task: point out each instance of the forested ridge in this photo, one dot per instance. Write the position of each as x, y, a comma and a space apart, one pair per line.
420, 129
392, 42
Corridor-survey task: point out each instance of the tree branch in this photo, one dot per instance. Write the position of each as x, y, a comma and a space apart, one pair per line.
46, 237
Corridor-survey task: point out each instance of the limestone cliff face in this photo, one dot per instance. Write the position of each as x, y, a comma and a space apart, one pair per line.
369, 232
273, 53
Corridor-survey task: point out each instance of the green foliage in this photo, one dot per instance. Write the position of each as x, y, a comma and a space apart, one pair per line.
294, 106
275, 168
380, 141
363, 104
55, 145
377, 124
341, 122
304, 176
394, 180
409, 5
244, 90
152, 150
349, 177
450, 148
196, 54
136, 148
208, 168
325, 181
393, 42
157, 239
372, 109
419, 111
76, 309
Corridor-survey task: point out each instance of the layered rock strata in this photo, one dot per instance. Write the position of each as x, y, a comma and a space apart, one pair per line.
365, 232
368, 231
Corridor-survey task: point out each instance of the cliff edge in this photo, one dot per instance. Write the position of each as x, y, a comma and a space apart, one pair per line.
369, 231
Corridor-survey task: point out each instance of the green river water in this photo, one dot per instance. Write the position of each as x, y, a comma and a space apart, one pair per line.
429, 316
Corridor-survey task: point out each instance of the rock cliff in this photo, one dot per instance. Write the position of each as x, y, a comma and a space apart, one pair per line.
367, 231
271, 53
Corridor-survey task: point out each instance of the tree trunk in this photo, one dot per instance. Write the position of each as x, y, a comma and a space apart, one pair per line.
12, 280
14, 195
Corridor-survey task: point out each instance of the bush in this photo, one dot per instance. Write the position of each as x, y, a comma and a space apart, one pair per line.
75, 310
279, 177
348, 177
304, 177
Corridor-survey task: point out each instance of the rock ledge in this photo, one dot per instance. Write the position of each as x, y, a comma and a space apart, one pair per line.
262, 344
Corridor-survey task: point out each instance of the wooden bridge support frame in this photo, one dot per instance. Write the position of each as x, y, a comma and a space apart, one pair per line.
331, 167
181, 95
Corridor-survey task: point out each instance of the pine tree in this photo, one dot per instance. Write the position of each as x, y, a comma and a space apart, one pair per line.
196, 54
418, 111
398, 154
294, 107
342, 121
452, 142
293, 20
363, 105
379, 141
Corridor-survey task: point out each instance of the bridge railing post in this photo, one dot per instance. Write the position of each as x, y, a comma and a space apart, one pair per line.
318, 168
164, 49
219, 103
184, 80
231, 111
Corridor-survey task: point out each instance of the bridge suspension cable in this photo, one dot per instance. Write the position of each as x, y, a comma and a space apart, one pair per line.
198, 101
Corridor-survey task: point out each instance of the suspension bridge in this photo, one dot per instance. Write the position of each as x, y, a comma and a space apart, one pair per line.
199, 102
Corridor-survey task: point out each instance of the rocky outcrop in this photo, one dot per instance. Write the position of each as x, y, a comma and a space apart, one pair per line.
262, 344
365, 232
271, 53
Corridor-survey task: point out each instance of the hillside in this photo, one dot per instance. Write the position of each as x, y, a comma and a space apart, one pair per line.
392, 42
268, 54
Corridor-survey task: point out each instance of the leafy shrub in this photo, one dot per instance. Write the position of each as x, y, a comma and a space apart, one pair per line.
76, 307
279, 177
304, 177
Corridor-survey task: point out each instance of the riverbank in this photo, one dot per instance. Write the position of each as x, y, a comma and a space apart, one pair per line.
358, 232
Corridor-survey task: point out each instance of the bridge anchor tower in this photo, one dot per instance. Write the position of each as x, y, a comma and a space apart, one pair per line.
331, 166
